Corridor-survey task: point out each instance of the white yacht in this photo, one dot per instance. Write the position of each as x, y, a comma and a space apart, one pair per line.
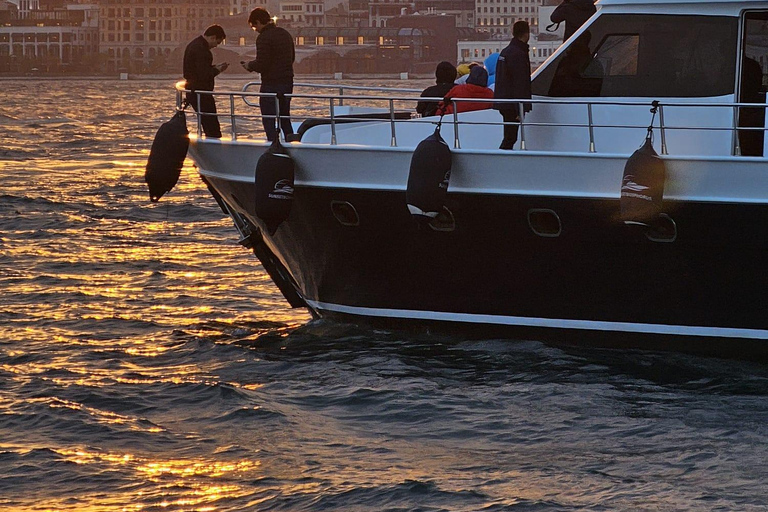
532, 241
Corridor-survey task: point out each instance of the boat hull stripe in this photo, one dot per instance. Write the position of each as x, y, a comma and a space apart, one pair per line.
556, 323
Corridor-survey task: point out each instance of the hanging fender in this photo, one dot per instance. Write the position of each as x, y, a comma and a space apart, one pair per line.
428, 177
274, 186
166, 158
642, 186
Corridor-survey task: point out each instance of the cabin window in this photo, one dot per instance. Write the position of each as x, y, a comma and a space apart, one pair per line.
754, 62
622, 55
617, 56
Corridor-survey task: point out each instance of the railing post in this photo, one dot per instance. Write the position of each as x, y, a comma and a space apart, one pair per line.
277, 118
341, 96
735, 132
591, 129
393, 143
199, 120
232, 116
456, 141
521, 106
662, 130
333, 124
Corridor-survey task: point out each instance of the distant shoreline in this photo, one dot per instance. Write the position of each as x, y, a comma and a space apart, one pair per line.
232, 76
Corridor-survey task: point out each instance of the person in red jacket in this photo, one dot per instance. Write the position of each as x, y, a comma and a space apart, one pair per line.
476, 87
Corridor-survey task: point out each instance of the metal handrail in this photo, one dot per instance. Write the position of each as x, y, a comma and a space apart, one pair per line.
340, 88
335, 100
181, 92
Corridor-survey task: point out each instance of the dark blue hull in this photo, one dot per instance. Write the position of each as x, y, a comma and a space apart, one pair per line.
498, 264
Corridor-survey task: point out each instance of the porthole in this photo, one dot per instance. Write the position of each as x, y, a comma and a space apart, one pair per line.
663, 229
544, 222
345, 213
444, 221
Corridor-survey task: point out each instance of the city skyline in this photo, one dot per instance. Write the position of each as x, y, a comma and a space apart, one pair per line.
146, 36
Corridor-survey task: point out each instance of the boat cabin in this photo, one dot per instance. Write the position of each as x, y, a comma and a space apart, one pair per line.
674, 52
699, 60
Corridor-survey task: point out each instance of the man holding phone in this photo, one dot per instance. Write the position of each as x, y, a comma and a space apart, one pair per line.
275, 55
200, 72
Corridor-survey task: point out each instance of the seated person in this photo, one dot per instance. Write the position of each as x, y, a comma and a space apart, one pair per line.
476, 87
462, 73
464, 70
490, 67
445, 74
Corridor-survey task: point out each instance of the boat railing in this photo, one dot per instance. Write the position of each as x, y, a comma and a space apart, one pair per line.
391, 108
343, 89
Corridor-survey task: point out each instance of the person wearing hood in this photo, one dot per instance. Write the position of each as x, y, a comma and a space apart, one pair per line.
476, 87
463, 72
490, 66
574, 13
445, 74
513, 81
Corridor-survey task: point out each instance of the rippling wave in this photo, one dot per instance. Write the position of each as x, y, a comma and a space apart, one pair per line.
148, 363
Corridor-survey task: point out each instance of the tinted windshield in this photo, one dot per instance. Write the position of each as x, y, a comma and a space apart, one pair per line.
623, 55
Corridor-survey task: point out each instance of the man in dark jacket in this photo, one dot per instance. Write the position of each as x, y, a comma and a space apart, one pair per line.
513, 81
199, 72
274, 61
445, 75
574, 13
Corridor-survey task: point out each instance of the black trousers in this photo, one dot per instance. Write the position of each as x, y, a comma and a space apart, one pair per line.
211, 126
268, 110
510, 130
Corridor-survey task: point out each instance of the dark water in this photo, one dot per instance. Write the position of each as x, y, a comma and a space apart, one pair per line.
147, 363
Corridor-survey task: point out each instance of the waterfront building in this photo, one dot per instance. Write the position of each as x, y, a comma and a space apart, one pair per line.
8, 9
139, 36
379, 11
543, 43
497, 16
338, 16
462, 10
313, 13
61, 39
369, 13
359, 13
541, 47
25, 7
240, 6
292, 13
412, 43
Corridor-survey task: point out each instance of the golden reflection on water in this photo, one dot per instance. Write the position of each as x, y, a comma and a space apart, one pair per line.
197, 483
102, 284
104, 417
144, 349
81, 290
